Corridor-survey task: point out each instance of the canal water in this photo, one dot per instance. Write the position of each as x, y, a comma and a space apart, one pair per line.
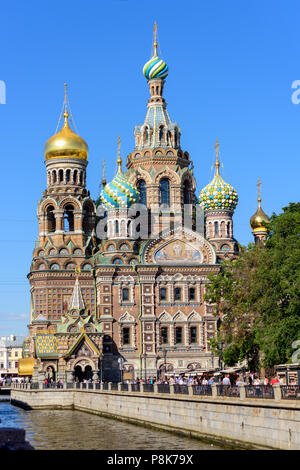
76, 430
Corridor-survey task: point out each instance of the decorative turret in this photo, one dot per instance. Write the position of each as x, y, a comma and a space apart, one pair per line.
218, 194
119, 192
66, 143
157, 130
117, 197
218, 200
259, 221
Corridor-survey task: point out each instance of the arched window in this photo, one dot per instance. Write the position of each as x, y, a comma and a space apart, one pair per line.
216, 228
68, 176
125, 294
228, 229
54, 176
164, 188
146, 135
63, 251
69, 218
77, 251
175, 138
75, 177
80, 177
51, 223
161, 133
117, 226
141, 186
60, 176
186, 193
117, 261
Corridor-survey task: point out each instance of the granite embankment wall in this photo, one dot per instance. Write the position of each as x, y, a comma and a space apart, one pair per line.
239, 422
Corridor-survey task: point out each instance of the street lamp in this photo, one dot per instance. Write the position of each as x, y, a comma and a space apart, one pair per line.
121, 361
164, 351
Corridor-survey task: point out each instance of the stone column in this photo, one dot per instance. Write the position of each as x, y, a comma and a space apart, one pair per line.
190, 389
95, 376
242, 389
277, 392
70, 376
171, 389
214, 390
119, 386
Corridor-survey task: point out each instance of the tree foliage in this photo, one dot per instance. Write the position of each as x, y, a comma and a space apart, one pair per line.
258, 296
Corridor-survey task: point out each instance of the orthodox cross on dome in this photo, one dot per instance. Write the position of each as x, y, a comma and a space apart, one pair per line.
217, 164
103, 174
258, 191
154, 41
119, 161
66, 114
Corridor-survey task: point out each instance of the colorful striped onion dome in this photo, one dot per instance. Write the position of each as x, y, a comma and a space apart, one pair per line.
119, 193
218, 195
155, 68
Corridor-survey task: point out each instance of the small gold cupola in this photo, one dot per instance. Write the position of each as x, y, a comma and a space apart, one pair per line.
259, 220
65, 143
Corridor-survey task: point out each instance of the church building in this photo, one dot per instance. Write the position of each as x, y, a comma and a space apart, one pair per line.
118, 283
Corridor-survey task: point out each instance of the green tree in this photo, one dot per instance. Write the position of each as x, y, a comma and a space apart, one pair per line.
258, 296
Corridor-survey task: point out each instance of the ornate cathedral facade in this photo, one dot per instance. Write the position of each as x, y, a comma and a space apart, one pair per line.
118, 283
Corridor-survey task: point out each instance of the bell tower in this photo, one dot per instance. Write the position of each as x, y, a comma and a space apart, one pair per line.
66, 217
158, 167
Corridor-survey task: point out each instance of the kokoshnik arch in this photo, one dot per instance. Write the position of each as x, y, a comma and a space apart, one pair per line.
96, 300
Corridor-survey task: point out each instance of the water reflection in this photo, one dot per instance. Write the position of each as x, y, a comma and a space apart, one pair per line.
56, 430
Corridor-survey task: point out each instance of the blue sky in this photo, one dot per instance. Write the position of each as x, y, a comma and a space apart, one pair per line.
231, 68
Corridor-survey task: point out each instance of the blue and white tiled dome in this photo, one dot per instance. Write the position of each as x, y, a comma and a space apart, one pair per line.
119, 193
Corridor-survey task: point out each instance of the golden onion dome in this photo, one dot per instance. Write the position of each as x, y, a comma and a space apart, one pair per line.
259, 220
66, 144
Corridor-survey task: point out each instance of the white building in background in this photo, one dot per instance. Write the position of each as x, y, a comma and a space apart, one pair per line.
10, 353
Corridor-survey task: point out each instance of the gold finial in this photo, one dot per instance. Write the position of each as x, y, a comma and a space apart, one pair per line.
154, 42
103, 174
119, 161
66, 114
77, 271
258, 192
217, 164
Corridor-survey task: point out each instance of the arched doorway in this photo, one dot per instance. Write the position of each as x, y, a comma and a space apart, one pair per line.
88, 374
79, 375
50, 373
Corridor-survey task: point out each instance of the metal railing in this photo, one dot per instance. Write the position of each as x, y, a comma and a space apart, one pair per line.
97, 386
135, 387
202, 390
290, 392
78, 385
90, 386
83, 385
183, 389
105, 386
124, 387
228, 391
114, 386
163, 388
259, 391
148, 388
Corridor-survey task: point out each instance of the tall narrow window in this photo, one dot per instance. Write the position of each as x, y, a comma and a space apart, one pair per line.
75, 177
164, 188
177, 293
228, 229
51, 223
161, 134
117, 226
216, 228
162, 293
178, 335
68, 176
192, 293
186, 193
126, 335
125, 294
69, 218
193, 334
164, 335
143, 192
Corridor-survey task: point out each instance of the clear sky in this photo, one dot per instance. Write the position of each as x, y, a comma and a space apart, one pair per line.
231, 69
